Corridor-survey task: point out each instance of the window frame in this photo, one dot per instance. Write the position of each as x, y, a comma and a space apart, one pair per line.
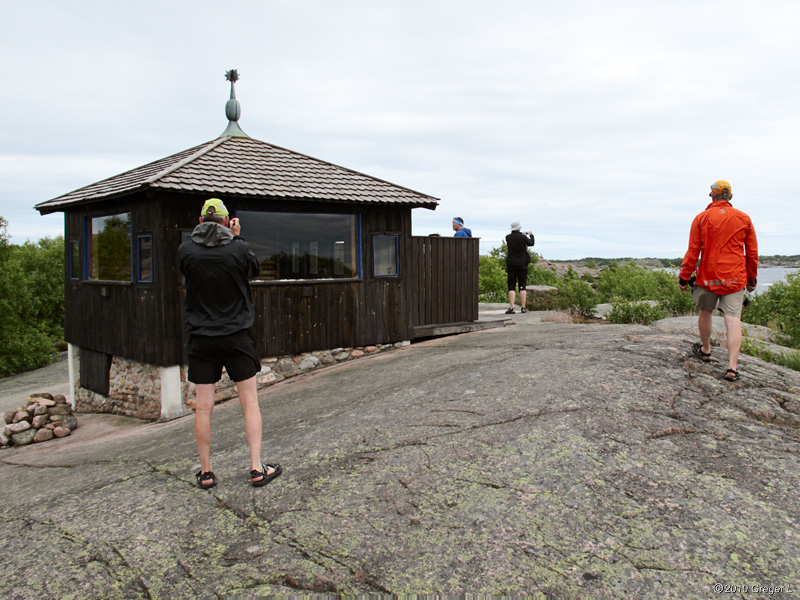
74, 265
139, 238
396, 238
87, 235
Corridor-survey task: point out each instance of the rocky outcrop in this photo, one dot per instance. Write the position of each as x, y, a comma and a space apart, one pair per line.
42, 418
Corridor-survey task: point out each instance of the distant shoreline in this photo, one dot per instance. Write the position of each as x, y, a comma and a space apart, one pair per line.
786, 262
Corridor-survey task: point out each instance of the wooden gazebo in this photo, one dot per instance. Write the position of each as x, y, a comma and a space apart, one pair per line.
340, 267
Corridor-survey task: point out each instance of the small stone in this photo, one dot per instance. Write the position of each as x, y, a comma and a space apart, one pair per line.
70, 421
24, 438
5, 440
18, 428
39, 421
46, 402
45, 395
357, 353
309, 363
9, 416
22, 415
39, 410
370, 349
56, 418
61, 432
60, 399
43, 435
60, 409
50, 426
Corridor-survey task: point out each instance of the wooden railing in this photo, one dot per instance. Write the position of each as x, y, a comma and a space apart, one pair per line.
445, 280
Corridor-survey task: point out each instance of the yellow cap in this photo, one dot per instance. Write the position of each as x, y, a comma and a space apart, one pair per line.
217, 205
718, 187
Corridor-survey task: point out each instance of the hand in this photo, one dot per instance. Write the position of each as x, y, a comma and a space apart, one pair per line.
236, 228
751, 288
683, 287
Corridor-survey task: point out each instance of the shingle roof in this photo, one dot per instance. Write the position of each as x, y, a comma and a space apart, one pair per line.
245, 167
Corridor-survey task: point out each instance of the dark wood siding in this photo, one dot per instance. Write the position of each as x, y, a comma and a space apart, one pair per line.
144, 321
445, 280
139, 321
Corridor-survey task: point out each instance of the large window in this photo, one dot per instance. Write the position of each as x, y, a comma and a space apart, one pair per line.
302, 245
108, 252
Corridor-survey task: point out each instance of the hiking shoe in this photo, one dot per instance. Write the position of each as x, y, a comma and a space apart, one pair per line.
524, 310
510, 311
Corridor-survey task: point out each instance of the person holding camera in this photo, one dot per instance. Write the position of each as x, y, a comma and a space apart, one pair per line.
517, 260
218, 264
723, 240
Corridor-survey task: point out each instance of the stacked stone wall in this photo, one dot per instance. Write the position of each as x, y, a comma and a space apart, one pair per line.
134, 391
135, 388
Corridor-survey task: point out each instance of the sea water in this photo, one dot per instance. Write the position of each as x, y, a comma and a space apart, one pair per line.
769, 275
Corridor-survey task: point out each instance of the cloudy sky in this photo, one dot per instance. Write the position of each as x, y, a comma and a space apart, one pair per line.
599, 125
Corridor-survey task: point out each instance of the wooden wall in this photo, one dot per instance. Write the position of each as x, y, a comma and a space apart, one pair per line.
144, 321
444, 280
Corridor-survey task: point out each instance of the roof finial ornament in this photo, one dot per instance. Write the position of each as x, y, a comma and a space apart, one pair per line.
233, 109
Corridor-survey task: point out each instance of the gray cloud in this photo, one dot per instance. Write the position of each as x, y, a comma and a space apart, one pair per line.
599, 126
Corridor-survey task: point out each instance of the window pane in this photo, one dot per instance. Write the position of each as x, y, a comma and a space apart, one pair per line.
145, 254
385, 255
110, 247
74, 259
302, 245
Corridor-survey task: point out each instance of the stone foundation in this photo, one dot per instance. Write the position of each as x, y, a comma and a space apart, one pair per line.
135, 389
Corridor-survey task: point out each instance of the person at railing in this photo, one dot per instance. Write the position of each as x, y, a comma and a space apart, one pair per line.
460, 230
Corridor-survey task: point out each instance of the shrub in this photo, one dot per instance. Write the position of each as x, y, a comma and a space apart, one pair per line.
577, 296
491, 280
641, 313
778, 308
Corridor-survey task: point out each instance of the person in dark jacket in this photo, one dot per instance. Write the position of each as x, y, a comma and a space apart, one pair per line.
218, 264
517, 261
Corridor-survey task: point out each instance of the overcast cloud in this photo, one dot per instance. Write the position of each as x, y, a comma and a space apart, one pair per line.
599, 125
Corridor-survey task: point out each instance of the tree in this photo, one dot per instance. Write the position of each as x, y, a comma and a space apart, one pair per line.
24, 343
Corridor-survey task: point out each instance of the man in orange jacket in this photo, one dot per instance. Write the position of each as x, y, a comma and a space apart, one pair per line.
723, 239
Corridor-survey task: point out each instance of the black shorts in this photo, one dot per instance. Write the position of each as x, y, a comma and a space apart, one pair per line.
517, 274
236, 352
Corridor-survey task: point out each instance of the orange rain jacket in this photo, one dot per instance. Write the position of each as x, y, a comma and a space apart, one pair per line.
724, 240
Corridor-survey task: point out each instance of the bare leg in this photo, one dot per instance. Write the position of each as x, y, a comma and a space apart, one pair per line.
248, 398
704, 325
204, 406
511, 296
523, 295
733, 327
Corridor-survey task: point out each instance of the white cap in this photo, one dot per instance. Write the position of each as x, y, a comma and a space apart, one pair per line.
515, 226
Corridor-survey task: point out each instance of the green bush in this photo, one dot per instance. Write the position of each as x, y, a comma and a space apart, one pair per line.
642, 313
576, 296
779, 309
491, 280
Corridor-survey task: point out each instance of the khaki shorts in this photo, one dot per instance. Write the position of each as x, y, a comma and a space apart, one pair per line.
729, 304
